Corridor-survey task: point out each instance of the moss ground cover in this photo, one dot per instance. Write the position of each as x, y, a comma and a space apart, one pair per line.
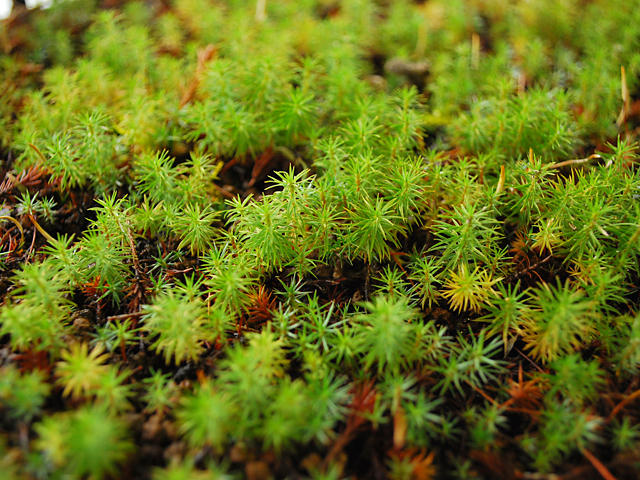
320, 239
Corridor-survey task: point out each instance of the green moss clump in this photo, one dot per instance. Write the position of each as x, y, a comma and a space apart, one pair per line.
320, 239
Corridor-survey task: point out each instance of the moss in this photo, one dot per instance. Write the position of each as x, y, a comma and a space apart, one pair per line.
319, 240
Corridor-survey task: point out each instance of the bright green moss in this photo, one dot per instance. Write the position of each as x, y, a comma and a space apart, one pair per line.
319, 239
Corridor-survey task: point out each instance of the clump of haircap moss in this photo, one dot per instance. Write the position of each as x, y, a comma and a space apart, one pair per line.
320, 239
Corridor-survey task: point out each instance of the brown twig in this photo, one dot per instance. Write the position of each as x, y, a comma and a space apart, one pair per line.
363, 402
576, 162
598, 465
481, 392
125, 316
628, 399
16, 223
626, 98
40, 229
204, 56
394, 257
37, 150
260, 165
223, 192
529, 360
534, 266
